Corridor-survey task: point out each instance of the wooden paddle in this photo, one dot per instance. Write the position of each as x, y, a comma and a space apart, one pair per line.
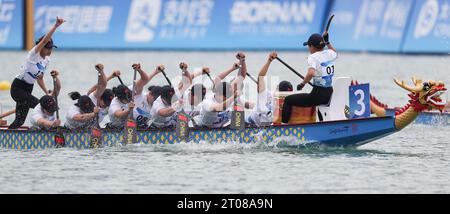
120, 80
293, 70
210, 78
238, 113
130, 135
252, 78
6, 114
59, 136
96, 132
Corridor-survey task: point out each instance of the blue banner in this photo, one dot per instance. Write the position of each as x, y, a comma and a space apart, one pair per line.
181, 24
369, 25
11, 24
429, 30
359, 99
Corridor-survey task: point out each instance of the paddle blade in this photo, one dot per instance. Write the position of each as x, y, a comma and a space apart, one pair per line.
238, 118
59, 139
182, 127
130, 136
95, 138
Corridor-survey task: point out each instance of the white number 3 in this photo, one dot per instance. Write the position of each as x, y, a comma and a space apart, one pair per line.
360, 102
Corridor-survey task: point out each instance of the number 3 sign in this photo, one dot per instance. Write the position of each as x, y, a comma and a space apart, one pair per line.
359, 101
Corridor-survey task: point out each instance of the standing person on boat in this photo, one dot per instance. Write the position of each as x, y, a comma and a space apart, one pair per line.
32, 70
320, 70
43, 115
82, 114
144, 101
123, 103
262, 115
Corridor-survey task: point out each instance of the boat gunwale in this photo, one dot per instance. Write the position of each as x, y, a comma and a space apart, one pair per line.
65, 130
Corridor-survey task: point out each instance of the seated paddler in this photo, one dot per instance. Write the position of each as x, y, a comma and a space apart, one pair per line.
262, 115
43, 115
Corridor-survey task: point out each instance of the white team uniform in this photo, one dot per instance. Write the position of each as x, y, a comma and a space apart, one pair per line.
73, 124
210, 118
262, 114
34, 67
116, 105
103, 111
37, 114
160, 121
323, 63
141, 112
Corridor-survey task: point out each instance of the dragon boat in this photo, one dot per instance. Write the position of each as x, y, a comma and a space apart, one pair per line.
329, 132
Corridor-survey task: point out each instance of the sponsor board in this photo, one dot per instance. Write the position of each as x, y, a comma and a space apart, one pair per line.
181, 24
429, 30
11, 24
369, 25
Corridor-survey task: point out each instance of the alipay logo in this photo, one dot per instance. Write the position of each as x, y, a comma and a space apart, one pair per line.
143, 18
427, 18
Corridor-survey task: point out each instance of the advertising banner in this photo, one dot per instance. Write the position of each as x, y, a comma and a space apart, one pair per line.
429, 30
181, 24
369, 25
11, 24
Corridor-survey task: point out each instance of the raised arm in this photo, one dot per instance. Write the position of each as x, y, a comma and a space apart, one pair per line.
263, 72
57, 88
49, 35
186, 78
223, 105
326, 38
110, 77
241, 57
102, 81
140, 84
224, 74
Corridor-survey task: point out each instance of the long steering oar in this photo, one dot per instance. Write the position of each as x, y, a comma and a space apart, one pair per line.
96, 132
59, 136
130, 135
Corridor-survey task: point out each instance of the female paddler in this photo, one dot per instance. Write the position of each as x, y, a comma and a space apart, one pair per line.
32, 70
320, 70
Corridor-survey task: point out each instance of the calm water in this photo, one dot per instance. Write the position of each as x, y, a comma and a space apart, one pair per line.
416, 160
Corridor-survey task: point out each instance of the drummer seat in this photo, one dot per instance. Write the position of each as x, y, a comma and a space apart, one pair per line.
335, 109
